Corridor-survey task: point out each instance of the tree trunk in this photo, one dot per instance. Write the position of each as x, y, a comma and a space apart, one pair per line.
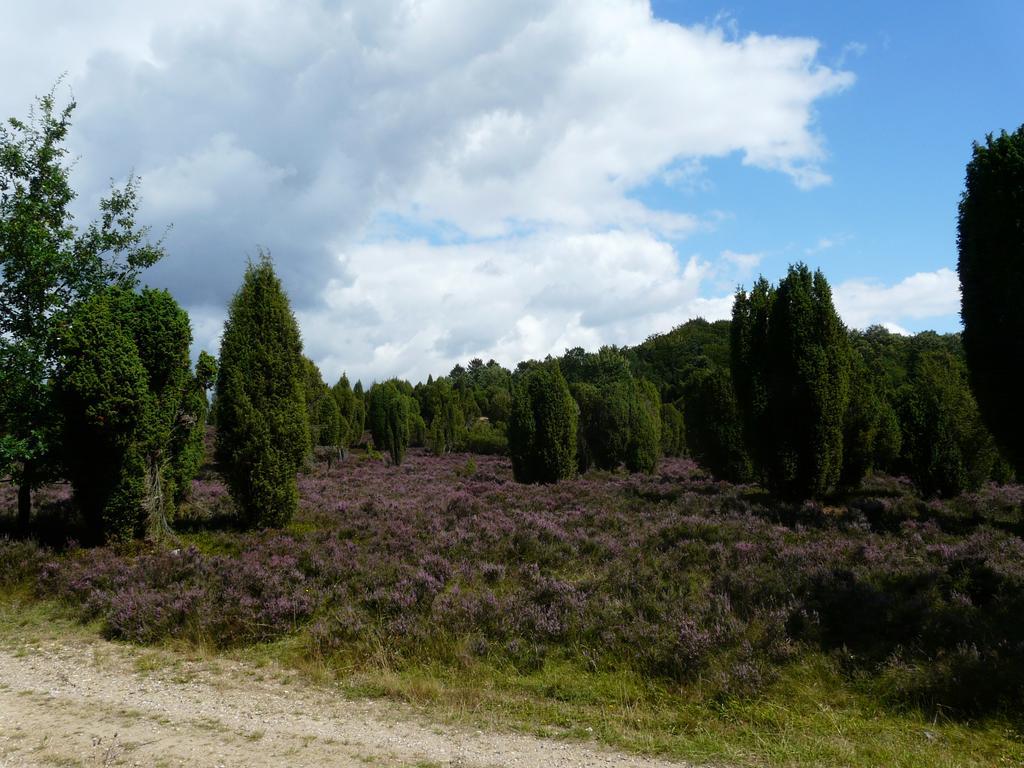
25, 498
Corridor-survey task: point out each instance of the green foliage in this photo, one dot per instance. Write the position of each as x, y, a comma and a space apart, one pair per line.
714, 429
389, 419
946, 446
603, 426
644, 428
351, 412
791, 370
542, 425
123, 391
187, 444
441, 404
861, 424
669, 359
417, 425
991, 267
673, 431
619, 416
262, 429
48, 269
322, 409
486, 438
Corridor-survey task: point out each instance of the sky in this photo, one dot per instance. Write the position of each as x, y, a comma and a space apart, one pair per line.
439, 180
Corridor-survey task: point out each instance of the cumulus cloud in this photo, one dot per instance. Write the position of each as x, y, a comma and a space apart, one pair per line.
413, 308
923, 295
435, 179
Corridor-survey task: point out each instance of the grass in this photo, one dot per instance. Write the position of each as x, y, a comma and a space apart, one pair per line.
811, 716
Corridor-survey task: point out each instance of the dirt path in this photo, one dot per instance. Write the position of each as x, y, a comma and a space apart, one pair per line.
96, 703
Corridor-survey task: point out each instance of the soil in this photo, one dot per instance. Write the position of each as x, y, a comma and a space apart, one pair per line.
91, 702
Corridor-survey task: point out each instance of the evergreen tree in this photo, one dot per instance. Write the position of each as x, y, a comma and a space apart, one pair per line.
673, 431
122, 392
644, 428
791, 371
48, 269
861, 424
262, 430
714, 429
322, 409
187, 441
542, 426
389, 419
991, 268
947, 448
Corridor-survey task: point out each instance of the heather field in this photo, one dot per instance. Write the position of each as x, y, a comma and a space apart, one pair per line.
667, 613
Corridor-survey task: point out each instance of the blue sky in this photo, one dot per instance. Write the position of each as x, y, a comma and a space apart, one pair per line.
445, 179
932, 77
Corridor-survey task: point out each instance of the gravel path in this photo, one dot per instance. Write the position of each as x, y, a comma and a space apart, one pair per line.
97, 703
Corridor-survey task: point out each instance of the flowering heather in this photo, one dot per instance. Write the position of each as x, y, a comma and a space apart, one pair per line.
673, 575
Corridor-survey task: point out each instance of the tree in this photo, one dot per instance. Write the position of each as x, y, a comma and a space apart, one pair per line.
714, 428
262, 429
123, 390
644, 428
990, 238
49, 268
542, 425
322, 409
389, 419
791, 369
188, 447
673, 430
947, 447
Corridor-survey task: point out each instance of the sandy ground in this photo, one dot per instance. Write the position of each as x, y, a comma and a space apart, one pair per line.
91, 702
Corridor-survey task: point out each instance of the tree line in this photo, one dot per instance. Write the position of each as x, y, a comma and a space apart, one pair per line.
98, 387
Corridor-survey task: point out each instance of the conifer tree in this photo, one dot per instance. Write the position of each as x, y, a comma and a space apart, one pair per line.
542, 426
122, 391
947, 447
262, 430
644, 445
991, 268
389, 419
791, 371
714, 428
188, 439
673, 430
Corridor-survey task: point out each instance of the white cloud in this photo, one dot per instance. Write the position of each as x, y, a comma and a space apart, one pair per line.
517, 128
412, 308
922, 295
744, 263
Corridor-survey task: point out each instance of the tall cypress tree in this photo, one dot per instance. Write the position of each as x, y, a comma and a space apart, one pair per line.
791, 369
542, 426
991, 267
262, 431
